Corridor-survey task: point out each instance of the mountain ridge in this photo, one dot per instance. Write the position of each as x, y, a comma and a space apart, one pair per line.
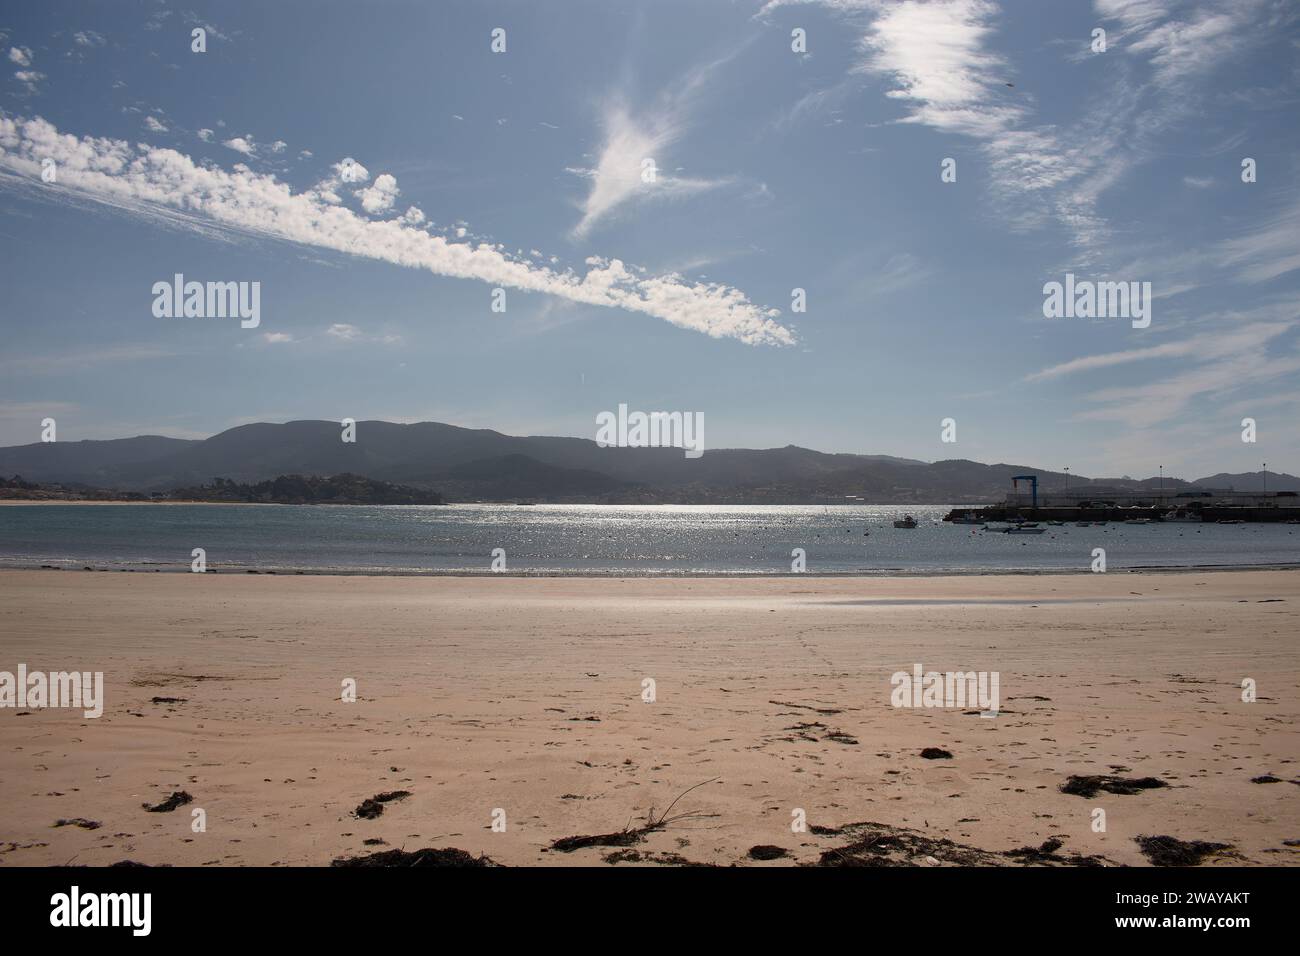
474, 464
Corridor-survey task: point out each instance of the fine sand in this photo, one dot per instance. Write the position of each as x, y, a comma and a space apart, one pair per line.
525, 696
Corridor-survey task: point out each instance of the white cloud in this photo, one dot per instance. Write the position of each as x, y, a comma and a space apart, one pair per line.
379, 197
277, 338
206, 135
279, 146
168, 187
342, 330
88, 38
29, 79
241, 144
153, 126
350, 333
20, 55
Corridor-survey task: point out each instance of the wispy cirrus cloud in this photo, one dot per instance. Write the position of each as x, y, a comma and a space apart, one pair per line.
1234, 353
940, 60
1269, 249
168, 187
1213, 344
84, 358
619, 176
1141, 406
632, 139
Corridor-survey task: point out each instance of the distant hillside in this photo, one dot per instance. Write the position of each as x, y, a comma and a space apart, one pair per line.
1253, 481
93, 463
468, 464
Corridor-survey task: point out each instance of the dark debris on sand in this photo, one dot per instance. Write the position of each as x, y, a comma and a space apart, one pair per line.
1169, 851
935, 753
372, 807
636, 856
619, 838
766, 851
1084, 786
79, 822
879, 844
1045, 855
178, 799
630, 835
448, 856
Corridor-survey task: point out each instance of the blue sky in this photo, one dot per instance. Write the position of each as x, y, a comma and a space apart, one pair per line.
775, 170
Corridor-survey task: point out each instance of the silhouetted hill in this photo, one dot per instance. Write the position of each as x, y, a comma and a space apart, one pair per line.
1253, 481
87, 462
468, 464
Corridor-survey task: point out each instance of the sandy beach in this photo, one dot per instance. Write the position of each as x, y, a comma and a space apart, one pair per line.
482, 695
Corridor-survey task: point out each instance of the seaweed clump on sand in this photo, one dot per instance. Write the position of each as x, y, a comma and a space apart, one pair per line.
448, 856
1169, 851
372, 807
879, 844
664, 859
1045, 855
178, 799
629, 835
1085, 786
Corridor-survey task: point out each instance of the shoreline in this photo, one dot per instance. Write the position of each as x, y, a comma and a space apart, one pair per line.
616, 573
94, 501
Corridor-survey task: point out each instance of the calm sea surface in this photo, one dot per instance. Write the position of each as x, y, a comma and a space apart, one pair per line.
644, 539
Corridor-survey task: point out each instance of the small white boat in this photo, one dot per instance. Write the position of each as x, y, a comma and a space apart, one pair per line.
907, 521
1137, 521
1083, 524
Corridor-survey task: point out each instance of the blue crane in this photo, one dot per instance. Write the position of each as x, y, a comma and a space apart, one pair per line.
1033, 481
